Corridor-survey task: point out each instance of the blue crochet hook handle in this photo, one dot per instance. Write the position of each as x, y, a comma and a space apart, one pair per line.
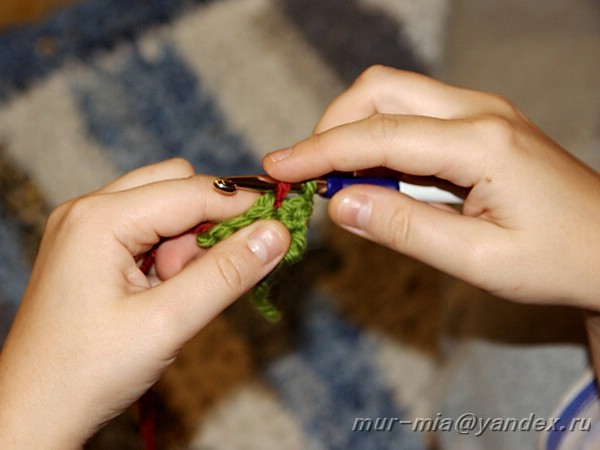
431, 194
334, 184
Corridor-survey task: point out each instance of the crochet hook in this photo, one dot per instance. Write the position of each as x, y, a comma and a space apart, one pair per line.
327, 187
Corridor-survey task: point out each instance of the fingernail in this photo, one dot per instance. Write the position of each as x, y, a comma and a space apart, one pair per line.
354, 211
265, 243
278, 155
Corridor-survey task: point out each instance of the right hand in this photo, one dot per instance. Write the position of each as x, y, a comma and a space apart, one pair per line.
530, 226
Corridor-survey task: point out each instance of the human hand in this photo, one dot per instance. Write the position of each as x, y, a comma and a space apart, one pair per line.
530, 226
93, 333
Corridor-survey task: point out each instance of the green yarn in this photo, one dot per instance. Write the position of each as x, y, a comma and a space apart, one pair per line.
294, 212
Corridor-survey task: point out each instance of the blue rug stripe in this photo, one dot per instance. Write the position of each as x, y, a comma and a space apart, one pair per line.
32, 52
14, 272
166, 111
355, 40
333, 379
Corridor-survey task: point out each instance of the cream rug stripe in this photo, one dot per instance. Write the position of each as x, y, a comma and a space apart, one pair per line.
45, 136
250, 419
221, 44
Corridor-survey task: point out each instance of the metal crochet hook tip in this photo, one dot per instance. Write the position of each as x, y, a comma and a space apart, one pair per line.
224, 185
258, 183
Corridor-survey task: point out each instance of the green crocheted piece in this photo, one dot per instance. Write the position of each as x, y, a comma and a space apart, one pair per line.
294, 212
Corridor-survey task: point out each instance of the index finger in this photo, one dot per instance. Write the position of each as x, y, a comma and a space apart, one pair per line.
425, 146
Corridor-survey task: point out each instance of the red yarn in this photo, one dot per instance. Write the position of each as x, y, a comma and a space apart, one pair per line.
147, 421
148, 260
201, 228
281, 192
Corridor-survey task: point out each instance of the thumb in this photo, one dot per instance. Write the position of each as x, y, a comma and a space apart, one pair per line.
208, 284
451, 242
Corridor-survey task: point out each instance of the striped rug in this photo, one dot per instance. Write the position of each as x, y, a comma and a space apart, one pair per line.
108, 85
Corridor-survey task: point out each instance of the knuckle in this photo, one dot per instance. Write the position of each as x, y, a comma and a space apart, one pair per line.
57, 214
321, 146
84, 209
399, 228
498, 130
182, 165
231, 272
316, 144
502, 105
77, 211
372, 75
382, 129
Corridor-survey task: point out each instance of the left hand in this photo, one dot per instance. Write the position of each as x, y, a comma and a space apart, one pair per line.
93, 333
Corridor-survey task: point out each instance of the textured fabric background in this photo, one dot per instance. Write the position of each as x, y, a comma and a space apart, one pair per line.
106, 86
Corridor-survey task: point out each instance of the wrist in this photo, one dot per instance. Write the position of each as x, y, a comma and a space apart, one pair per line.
29, 418
26, 429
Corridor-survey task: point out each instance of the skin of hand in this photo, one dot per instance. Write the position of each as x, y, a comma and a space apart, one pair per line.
93, 333
530, 226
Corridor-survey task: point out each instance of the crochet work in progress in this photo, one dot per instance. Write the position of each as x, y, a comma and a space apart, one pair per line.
293, 211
